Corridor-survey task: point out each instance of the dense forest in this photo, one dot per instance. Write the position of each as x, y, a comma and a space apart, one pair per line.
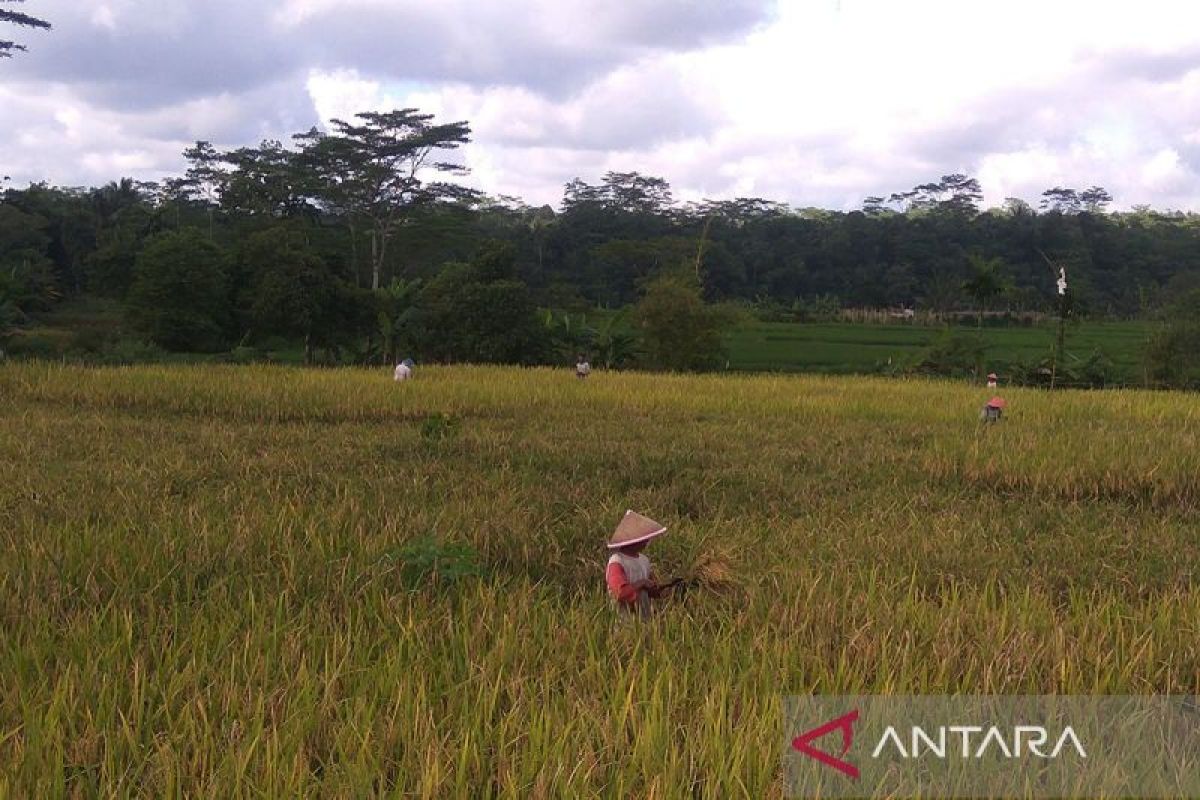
366, 233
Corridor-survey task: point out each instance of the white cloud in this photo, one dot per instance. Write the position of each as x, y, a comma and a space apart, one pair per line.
64, 141
342, 93
826, 103
103, 17
1163, 169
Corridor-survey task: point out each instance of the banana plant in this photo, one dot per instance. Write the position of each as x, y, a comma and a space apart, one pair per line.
615, 346
568, 335
397, 303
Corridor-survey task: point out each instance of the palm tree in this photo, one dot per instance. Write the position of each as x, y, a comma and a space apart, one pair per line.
539, 222
111, 199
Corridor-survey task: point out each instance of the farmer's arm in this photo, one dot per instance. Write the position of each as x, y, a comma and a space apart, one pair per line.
619, 586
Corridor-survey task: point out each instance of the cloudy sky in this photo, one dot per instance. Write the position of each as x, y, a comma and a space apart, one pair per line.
813, 102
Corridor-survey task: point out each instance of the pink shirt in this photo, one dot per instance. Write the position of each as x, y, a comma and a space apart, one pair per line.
620, 586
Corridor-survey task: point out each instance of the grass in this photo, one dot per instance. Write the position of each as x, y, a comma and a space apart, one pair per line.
845, 348
203, 588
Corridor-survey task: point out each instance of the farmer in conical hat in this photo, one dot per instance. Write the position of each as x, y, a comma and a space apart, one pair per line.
631, 581
993, 410
993, 380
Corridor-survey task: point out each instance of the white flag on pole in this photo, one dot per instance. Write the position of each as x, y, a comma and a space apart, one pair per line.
1062, 280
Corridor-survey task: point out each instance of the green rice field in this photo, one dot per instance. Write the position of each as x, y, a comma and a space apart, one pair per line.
844, 348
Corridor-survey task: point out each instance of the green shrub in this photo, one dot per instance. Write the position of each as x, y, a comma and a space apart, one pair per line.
478, 312
680, 332
39, 345
245, 355
952, 354
130, 351
430, 561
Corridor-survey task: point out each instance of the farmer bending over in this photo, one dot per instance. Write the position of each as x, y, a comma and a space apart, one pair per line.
404, 370
631, 581
993, 410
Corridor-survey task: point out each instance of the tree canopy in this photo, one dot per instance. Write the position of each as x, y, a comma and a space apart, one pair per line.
357, 236
179, 292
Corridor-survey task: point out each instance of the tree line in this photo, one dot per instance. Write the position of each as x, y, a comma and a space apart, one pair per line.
363, 238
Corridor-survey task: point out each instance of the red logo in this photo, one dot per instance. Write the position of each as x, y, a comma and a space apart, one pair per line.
803, 743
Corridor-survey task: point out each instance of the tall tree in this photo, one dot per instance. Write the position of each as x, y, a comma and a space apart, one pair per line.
955, 192
324, 168
874, 205
959, 192
205, 179
377, 168
1061, 199
264, 181
20, 19
1095, 199
628, 192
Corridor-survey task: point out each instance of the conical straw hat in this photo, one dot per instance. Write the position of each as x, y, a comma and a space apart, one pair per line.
634, 528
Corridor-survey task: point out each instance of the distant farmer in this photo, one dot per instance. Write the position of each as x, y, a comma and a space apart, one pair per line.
993, 410
404, 370
582, 368
993, 380
631, 581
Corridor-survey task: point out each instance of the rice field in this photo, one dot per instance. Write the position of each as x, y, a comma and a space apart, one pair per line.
847, 347
211, 578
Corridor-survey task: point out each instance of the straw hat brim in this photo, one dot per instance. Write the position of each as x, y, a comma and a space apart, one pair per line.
635, 528
647, 537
